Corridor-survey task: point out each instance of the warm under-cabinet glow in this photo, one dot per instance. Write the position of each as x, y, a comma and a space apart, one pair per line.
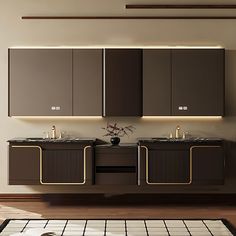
120, 46
101, 117
58, 117
183, 117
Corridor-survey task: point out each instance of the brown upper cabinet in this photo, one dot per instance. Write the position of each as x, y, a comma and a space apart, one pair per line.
40, 82
198, 82
156, 82
183, 82
122, 82
87, 82
55, 82
98, 82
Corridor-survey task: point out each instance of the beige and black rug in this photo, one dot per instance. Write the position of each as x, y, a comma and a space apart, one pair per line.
119, 227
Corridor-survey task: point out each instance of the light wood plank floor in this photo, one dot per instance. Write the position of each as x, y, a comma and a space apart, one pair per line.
19, 210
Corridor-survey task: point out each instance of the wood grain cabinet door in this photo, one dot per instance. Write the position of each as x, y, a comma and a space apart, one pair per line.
198, 82
208, 164
24, 165
40, 82
63, 166
87, 82
123, 82
168, 167
68, 167
156, 82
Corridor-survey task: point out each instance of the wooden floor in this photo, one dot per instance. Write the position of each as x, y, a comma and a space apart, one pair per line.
19, 210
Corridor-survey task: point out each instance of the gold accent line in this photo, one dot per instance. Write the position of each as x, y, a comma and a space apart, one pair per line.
147, 172
139, 177
104, 82
79, 183
201, 146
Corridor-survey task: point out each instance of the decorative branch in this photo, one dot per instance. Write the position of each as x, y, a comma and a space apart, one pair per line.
118, 131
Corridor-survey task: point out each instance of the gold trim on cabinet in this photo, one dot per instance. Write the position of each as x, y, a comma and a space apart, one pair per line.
104, 83
139, 164
202, 146
156, 183
28, 146
80, 183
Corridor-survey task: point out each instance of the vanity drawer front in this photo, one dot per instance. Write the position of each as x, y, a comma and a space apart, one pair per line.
116, 156
116, 179
117, 160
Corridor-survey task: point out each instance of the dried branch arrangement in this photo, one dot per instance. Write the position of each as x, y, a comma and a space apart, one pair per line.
114, 130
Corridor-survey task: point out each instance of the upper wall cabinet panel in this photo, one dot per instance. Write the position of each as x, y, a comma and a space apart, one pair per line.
198, 82
156, 82
123, 82
40, 82
87, 82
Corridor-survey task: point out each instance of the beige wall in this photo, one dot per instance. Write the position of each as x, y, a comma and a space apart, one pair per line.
17, 32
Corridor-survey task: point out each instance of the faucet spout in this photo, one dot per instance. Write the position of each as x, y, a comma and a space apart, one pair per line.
177, 131
54, 136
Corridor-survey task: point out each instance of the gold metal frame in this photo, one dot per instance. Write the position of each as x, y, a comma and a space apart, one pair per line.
79, 183
202, 146
156, 183
139, 165
28, 146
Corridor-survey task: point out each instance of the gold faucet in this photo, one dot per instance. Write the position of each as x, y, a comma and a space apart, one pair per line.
177, 131
54, 135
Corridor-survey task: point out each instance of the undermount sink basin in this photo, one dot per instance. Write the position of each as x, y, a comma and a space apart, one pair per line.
34, 139
181, 139
161, 139
54, 140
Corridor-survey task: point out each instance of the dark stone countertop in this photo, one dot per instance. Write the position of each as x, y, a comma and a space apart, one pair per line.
48, 140
180, 140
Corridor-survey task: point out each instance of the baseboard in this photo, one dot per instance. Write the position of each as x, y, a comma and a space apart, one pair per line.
125, 199
21, 197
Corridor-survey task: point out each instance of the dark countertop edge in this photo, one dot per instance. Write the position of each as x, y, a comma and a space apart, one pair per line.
181, 141
51, 141
128, 145
98, 142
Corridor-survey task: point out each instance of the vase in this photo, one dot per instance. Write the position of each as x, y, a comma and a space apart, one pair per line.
115, 140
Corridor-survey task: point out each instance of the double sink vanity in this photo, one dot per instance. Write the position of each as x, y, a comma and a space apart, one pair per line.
117, 82
149, 163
